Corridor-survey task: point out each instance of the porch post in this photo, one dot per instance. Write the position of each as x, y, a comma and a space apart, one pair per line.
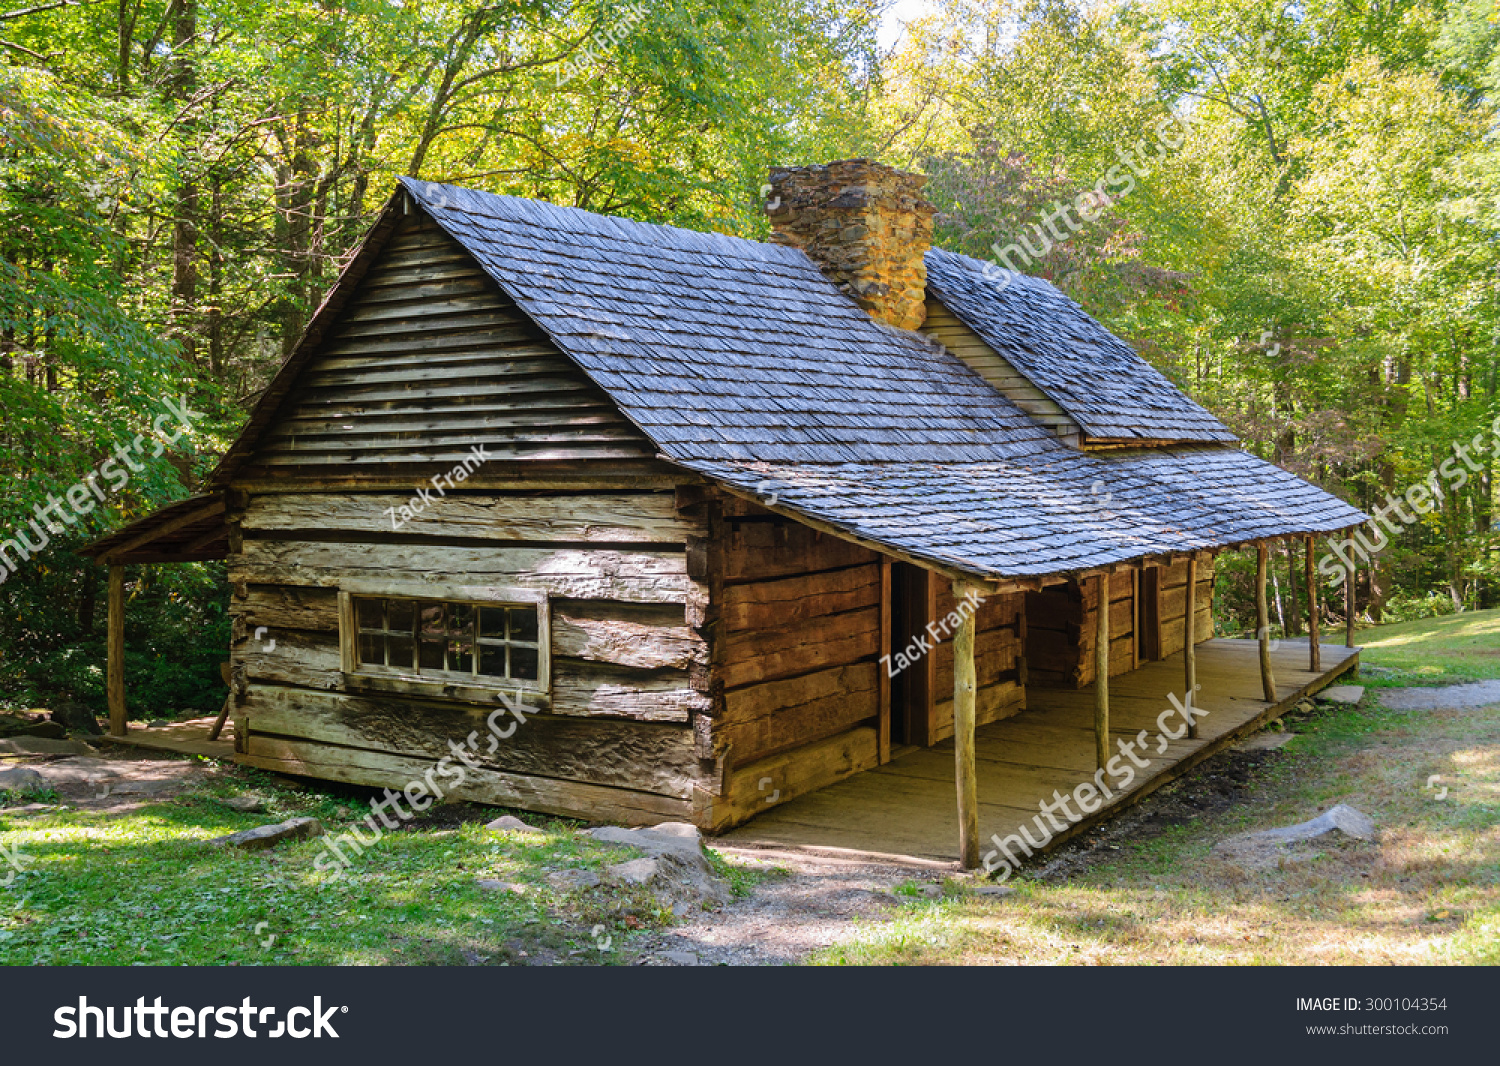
1348, 603
1190, 642
964, 688
1263, 624
1314, 653
1101, 672
116, 650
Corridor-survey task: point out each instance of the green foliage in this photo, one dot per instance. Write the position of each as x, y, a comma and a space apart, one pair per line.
52, 639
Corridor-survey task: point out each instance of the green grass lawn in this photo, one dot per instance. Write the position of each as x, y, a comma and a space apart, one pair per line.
1445, 651
145, 887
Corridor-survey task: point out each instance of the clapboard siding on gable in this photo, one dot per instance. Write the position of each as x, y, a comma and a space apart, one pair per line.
429, 360
948, 330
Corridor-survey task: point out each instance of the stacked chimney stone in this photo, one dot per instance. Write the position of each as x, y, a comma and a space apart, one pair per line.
867, 227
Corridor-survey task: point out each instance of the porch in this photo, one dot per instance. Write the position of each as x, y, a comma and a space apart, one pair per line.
906, 809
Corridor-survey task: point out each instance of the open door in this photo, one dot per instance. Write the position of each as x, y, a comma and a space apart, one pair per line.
913, 607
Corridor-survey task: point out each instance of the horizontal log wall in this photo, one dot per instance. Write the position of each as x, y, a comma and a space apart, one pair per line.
1174, 605
796, 631
997, 646
1061, 624
615, 739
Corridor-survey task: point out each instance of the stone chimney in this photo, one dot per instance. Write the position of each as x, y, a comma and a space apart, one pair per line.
867, 227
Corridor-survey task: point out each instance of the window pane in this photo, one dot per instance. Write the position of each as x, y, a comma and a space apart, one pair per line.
460, 619
523, 624
491, 660
431, 621
432, 655
523, 663
371, 649
461, 654
400, 614
492, 623
371, 613
401, 652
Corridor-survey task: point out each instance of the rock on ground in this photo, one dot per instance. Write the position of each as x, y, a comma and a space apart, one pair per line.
510, 823
1268, 844
44, 746
1478, 694
265, 836
76, 718
674, 870
1348, 694
22, 779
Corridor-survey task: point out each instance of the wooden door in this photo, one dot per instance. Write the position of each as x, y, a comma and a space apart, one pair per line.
1148, 615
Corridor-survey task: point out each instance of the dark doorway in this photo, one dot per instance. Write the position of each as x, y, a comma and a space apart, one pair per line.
913, 606
1148, 615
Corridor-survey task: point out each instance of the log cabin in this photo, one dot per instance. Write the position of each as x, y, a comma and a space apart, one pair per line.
720, 513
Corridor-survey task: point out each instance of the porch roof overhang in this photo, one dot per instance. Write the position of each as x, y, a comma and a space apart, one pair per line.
189, 531
1049, 516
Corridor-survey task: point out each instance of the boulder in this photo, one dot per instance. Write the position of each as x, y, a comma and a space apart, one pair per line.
44, 746
634, 872
509, 823
247, 804
22, 779
572, 880
677, 837
266, 836
1267, 844
76, 718
490, 884
1345, 694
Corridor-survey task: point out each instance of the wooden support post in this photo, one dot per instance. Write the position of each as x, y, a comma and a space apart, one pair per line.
1101, 671
1314, 651
1190, 644
1348, 603
1263, 624
883, 740
965, 687
116, 650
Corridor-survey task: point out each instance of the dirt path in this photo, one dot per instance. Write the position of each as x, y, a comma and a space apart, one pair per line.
786, 918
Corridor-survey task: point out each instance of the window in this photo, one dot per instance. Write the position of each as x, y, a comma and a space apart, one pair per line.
447, 643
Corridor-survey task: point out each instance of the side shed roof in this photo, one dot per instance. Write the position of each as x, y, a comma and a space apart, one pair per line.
1098, 379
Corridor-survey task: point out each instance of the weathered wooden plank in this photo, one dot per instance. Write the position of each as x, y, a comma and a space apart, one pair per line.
779, 714
570, 799
763, 604
753, 656
613, 517
593, 690
760, 550
769, 782
647, 637
647, 757
574, 573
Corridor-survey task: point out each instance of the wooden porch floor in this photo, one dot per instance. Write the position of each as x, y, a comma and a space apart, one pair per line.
907, 809
185, 738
